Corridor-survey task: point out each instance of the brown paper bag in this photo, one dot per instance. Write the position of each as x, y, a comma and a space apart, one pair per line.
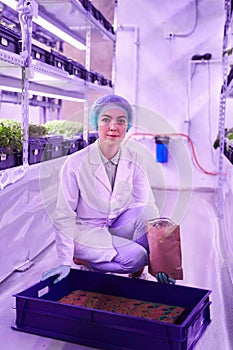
165, 248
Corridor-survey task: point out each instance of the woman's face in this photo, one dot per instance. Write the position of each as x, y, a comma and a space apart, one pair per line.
112, 126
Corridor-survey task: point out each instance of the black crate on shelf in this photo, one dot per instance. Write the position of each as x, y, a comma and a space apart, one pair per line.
86, 4
19, 157
36, 149
230, 154
228, 149
67, 144
95, 12
54, 147
101, 19
80, 143
58, 60
107, 25
230, 76
72, 145
9, 40
8, 160
109, 83
100, 79
40, 54
103, 81
92, 76
79, 70
69, 66
92, 137
76, 69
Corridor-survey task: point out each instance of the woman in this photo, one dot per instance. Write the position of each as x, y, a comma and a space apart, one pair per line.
104, 199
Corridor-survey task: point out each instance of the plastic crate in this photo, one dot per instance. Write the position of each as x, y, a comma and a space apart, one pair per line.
54, 147
73, 145
36, 149
101, 79
86, 4
9, 40
69, 146
100, 18
109, 83
77, 69
107, 25
92, 76
228, 149
38, 312
95, 12
58, 60
92, 137
40, 54
8, 160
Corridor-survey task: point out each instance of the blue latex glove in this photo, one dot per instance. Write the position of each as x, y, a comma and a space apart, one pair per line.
162, 277
62, 271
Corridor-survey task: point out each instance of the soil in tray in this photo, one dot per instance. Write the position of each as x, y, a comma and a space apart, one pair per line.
126, 306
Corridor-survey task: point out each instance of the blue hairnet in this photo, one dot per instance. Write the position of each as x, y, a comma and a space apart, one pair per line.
114, 101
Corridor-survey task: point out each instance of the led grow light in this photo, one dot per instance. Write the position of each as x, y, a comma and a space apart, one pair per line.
10, 88
10, 3
50, 27
58, 32
45, 94
60, 97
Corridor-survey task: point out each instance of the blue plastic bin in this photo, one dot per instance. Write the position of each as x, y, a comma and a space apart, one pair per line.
41, 314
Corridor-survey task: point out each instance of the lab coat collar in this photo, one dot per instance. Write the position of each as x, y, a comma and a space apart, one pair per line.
99, 170
114, 160
95, 155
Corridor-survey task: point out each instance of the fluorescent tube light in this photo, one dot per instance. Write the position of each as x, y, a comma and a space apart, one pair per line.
10, 3
39, 93
61, 97
10, 88
58, 32
50, 27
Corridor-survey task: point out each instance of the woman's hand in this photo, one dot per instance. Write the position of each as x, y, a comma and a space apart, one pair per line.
162, 277
62, 271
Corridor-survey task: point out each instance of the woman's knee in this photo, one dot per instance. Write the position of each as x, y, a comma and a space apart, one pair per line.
131, 258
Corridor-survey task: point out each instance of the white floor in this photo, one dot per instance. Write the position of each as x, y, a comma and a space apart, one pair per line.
203, 268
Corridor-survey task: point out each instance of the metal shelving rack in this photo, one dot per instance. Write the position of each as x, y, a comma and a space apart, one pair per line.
44, 79
59, 82
76, 23
225, 92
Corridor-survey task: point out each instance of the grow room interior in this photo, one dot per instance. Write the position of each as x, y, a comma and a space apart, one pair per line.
172, 61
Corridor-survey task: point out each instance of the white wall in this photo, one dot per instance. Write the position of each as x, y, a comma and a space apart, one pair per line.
169, 85
163, 86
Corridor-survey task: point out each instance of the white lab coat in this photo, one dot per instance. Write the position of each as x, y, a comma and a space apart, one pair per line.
87, 204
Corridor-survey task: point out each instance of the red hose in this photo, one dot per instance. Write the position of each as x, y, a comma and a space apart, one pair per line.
189, 140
